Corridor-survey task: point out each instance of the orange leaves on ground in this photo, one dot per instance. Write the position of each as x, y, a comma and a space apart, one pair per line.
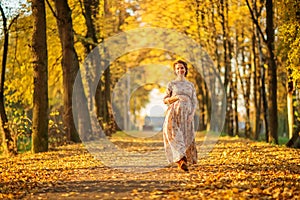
236, 169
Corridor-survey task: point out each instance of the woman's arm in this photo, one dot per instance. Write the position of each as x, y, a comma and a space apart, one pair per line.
169, 99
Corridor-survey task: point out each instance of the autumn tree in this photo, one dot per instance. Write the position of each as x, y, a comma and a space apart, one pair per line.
111, 22
90, 41
272, 72
269, 38
89, 8
259, 74
257, 81
70, 66
289, 15
40, 66
8, 142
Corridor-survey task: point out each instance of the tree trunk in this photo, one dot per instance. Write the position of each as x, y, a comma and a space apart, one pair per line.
256, 88
222, 13
230, 107
103, 92
290, 108
229, 57
215, 39
70, 65
235, 99
263, 86
247, 102
40, 66
202, 94
110, 120
245, 82
8, 144
272, 133
265, 102
295, 140
91, 31
203, 107
89, 44
235, 86
102, 103
203, 102
272, 75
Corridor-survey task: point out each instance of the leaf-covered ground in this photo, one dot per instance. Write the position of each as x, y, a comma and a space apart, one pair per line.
236, 169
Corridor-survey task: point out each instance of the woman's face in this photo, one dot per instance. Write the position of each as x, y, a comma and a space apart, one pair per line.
180, 69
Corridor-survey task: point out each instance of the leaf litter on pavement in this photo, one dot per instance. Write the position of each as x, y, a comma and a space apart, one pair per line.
236, 168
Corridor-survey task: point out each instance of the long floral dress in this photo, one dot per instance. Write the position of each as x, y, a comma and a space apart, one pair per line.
178, 134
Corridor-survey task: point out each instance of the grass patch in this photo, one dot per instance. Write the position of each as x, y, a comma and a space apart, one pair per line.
23, 144
283, 140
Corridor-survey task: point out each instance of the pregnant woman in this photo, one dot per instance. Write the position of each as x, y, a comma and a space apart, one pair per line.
178, 128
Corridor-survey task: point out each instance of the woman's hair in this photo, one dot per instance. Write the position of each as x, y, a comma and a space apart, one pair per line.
183, 63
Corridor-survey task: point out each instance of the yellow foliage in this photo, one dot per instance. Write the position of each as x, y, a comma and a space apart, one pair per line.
289, 36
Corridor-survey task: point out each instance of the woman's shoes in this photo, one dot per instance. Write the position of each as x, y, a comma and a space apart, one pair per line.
182, 164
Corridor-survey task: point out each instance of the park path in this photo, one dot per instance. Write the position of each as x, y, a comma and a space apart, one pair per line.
236, 169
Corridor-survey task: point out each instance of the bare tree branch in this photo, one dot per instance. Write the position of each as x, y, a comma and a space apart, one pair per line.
13, 21
256, 22
5, 32
52, 10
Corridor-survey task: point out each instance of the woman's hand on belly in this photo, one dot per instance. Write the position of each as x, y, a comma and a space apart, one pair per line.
183, 97
172, 99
